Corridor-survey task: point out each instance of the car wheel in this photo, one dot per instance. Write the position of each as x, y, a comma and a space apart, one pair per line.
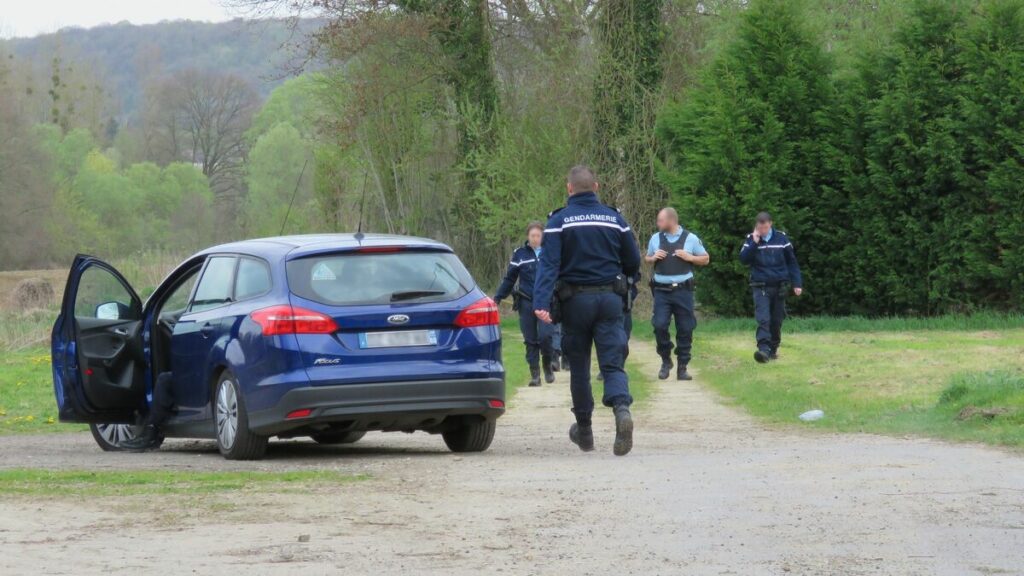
110, 436
471, 437
234, 439
338, 438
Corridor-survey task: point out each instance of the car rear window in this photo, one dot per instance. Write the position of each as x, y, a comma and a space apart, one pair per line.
379, 278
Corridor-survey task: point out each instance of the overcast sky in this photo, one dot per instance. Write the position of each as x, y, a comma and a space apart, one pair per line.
31, 17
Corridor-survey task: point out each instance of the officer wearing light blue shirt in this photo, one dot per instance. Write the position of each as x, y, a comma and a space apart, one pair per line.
674, 252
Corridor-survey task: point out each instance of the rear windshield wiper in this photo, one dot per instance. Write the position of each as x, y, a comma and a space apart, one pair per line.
413, 294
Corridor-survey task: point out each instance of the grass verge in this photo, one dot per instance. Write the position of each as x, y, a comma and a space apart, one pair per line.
913, 377
76, 483
27, 405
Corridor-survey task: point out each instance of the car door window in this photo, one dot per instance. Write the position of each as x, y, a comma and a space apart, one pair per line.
253, 278
215, 286
102, 296
178, 299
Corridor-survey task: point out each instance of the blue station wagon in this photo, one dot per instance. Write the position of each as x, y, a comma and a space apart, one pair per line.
327, 336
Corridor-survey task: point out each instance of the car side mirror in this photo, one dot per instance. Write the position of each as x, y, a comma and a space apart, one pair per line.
111, 311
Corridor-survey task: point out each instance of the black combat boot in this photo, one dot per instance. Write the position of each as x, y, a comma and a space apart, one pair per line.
534, 376
682, 374
623, 430
146, 440
666, 368
565, 362
556, 362
549, 374
762, 357
582, 436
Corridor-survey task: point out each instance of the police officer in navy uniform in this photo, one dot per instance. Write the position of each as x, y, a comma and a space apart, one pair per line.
773, 270
588, 253
537, 335
674, 252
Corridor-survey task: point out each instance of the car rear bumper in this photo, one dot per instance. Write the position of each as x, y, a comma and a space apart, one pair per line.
413, 405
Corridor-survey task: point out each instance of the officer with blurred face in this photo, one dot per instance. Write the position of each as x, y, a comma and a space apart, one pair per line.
537, 335
674, 252
588, 253
773, 270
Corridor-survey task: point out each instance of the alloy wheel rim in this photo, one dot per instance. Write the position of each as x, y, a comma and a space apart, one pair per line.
115, 434
227, 415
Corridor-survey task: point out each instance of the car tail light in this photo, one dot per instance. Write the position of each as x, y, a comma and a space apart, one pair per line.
301, 413
483, 312
495, 403
285, 319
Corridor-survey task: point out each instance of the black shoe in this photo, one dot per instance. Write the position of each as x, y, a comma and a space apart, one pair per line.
534, 376
762, 357
147, 440
556, 364
549, 375
666, 369
582, 436
623, 431
682, 374
565, 363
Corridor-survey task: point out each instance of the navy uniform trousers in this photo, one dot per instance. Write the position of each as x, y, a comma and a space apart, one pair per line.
594, 319
769, 311
668, 305
537, 335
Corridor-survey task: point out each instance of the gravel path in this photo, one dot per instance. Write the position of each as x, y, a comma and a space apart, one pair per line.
706, 491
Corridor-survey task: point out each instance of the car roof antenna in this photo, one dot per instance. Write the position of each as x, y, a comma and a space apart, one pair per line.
290, 202
362, 203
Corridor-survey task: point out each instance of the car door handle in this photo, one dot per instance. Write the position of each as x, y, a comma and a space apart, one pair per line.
121, 331
206, 330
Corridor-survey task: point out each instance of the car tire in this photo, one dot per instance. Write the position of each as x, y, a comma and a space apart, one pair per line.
231, 423
338, 438
110, 436
471, 437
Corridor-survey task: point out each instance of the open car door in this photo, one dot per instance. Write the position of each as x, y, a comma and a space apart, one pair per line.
99, 372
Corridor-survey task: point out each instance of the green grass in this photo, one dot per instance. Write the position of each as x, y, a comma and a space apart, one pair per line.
27, 404
903, 377
77, 483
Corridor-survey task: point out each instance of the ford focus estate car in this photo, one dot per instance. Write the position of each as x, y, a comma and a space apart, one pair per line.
326, 336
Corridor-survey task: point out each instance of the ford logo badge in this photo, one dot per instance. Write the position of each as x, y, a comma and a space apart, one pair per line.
398, 319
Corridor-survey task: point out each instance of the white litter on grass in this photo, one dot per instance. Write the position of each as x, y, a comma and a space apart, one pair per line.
812, 415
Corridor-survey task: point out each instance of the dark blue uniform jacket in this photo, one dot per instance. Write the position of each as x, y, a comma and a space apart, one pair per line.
522, 267
772, 261
585, 243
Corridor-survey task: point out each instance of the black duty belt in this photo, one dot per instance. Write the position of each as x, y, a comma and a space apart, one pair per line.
672, 286
768, 284
580, 289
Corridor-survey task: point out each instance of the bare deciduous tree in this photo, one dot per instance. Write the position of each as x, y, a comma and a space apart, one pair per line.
201, 117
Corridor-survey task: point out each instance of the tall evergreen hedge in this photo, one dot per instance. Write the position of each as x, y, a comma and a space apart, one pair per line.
900, 180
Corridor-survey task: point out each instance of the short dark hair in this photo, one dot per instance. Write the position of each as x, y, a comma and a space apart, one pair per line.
582, 179
763, 217
533, 225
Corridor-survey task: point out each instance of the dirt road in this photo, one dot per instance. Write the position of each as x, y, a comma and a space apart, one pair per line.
706, 491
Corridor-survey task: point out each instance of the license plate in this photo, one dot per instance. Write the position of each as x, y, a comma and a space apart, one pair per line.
398, 339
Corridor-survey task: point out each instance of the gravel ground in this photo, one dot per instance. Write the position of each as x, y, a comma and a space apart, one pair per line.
706, 491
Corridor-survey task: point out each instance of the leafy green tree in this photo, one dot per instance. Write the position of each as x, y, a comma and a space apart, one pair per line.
757, 134
275, 166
